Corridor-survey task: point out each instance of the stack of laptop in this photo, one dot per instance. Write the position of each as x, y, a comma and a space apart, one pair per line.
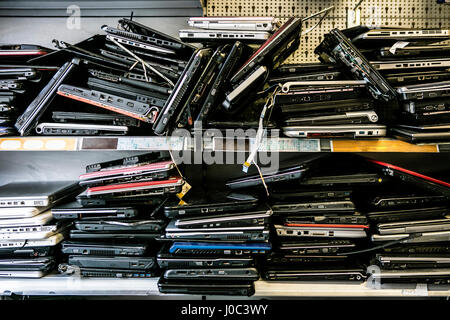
411, 228
314, 222
212, 245
115, 218
317, 108
226, 72
229, 29
18, 81
122, 80
28, 233
416, 62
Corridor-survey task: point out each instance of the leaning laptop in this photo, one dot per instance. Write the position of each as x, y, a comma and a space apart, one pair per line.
36, 193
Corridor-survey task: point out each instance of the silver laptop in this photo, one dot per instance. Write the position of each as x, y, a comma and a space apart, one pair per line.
38, 220
414, 226
338, 118
22, 274
21, 212
320, 232
227, 219
437, 236
404, 35
413, 275
425, 91
234, 23
336, 131
301, 85
52, 128
234, 95
411, 64
193, 35
389, 259
46, 242
32, 232
36, 193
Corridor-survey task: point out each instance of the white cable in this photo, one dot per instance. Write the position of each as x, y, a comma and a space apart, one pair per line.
144, 63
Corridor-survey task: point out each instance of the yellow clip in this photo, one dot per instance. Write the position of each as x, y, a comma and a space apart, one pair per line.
184, 190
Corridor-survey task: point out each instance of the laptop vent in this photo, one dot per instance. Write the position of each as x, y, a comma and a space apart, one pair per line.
99, 274
182, 263
101, 252
237, 237
200, 252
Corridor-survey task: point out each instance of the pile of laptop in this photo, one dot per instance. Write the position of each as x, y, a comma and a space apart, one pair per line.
317, 100
18, 81
417, 64
212, 245
29, 235
113, 84
410, 226
115, 221
410, 66
225, 75
316, 223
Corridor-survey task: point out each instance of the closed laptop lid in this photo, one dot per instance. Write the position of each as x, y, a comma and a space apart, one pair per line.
36, 189
20, 212
40, 219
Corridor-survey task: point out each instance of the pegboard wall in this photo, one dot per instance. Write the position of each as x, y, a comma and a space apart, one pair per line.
393, 13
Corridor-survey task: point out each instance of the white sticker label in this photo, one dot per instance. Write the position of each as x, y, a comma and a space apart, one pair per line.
421, 290
398, 45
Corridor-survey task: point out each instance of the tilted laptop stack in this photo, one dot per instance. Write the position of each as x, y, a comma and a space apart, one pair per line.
115, 219
317, 100
29, 236
411, 228
113, 84
318, 225
19, 81
417, 64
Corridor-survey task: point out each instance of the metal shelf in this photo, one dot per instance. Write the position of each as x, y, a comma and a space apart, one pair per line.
58, 285
152, 143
